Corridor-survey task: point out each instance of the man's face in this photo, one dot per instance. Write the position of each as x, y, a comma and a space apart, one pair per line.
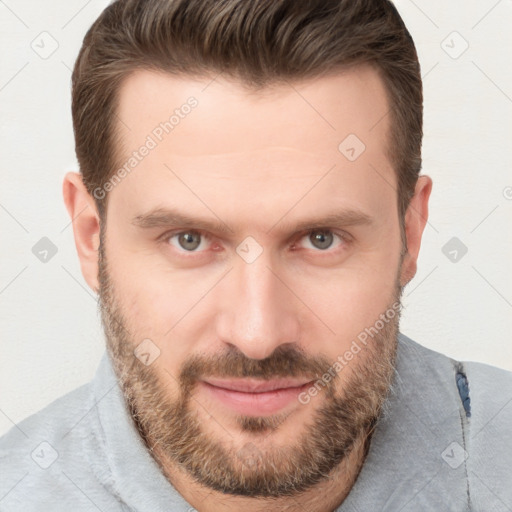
296, 252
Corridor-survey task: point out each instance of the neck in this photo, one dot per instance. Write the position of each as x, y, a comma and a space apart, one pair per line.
326, 496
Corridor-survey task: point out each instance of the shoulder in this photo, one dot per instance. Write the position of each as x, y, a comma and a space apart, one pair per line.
43, 456
52, 422
488, 377
484, 395
38, 440
490, 389
488, 439
484, 381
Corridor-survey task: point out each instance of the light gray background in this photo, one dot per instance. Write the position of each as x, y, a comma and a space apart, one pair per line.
51, 334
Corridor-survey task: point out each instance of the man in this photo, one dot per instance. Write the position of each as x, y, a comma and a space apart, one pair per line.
249, 209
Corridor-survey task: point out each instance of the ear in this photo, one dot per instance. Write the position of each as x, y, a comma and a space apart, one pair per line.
86, 225
416, 218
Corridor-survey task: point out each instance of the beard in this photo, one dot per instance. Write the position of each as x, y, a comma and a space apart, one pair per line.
174, 433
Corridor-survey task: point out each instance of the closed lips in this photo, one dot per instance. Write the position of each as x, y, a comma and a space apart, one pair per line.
256, 386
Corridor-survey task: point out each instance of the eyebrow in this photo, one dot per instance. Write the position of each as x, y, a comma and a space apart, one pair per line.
167, 217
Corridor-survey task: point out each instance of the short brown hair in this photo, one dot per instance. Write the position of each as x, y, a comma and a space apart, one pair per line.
257, 42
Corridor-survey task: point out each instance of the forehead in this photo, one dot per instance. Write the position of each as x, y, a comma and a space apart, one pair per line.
312, 116
214, 142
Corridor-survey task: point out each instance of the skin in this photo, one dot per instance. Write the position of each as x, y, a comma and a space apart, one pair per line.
259, 163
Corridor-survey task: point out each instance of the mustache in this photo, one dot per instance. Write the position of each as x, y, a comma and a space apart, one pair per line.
285, 361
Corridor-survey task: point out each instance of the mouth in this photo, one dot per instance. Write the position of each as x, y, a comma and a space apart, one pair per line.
255, 397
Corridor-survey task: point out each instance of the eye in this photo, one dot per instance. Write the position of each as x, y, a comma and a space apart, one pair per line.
321, 239
188, 241
193, 241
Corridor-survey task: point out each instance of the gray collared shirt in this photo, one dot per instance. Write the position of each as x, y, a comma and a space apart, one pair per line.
442, 443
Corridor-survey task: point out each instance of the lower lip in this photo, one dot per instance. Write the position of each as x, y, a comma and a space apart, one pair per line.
256, 404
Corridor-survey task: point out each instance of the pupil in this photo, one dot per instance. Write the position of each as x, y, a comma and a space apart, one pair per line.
322, 239
187, 241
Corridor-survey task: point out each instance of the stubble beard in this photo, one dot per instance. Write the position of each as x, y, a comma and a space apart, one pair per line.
174, 433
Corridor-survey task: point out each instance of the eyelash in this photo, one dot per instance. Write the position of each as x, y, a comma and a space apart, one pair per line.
344, 238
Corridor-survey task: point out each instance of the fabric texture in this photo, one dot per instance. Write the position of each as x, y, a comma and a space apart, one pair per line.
442, 443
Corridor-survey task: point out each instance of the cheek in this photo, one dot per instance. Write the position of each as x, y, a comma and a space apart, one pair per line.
167, 306
351, 300
155, 306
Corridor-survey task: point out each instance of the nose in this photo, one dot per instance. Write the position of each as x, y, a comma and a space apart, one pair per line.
259, 312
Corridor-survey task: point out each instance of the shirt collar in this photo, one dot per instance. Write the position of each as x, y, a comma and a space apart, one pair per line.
136, 478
